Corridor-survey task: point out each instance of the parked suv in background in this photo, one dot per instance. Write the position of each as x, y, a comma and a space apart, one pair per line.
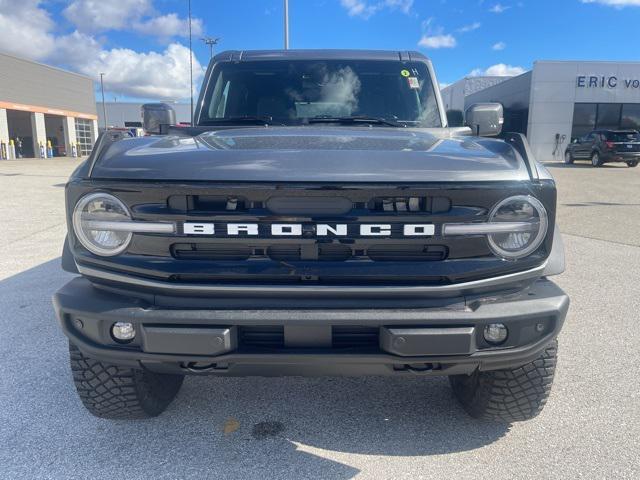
606, 146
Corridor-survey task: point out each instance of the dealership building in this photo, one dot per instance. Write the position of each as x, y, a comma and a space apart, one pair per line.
128, 114
43, 106
560, 100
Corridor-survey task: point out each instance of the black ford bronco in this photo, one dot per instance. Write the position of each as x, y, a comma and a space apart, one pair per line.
319, 218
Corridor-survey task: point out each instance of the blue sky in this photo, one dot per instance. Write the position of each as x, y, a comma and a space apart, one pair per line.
140, 45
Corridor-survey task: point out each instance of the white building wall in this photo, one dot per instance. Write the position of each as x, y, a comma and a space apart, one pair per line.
39, 132
69, 125
454, 95
555, 90
120, 112
4, 127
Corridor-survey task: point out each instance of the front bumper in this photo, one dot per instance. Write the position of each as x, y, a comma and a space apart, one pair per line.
443, 339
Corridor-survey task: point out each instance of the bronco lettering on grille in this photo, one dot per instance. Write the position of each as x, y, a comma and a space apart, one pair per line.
299, 229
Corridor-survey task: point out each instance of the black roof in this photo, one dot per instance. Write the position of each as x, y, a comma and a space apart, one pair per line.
325, 54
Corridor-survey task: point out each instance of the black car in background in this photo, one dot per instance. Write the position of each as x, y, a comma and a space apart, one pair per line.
605, 146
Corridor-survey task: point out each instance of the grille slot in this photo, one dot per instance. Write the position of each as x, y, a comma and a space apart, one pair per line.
342, 336
407, 253
410, 204
263, 336
354, 336
195, 251
327, 252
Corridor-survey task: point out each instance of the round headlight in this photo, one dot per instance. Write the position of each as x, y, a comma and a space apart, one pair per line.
91, 218
532, 218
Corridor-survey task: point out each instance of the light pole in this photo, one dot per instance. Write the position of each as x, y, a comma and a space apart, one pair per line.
104, 106
211, 41
190, 65
286, 24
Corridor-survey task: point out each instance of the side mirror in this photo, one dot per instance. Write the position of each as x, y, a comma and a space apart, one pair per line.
485, 119
455, 118
156, 117
575, 140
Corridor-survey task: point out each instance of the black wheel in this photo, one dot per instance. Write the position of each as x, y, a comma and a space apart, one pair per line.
633, 163
596, 161
568, 157
116, 392
508, 395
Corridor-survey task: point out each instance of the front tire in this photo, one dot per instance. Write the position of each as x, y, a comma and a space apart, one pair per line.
568, 158
508, 395
596, 161
633, 163
117, 392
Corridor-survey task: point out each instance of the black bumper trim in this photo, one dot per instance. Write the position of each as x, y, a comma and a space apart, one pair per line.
476, 286
543, 301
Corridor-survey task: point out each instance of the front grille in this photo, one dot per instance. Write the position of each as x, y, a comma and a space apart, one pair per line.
327, 252
354, 258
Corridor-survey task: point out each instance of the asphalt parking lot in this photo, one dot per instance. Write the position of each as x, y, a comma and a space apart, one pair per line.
335, 428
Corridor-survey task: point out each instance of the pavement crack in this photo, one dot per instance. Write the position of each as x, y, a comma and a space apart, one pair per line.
35, 233
600, 239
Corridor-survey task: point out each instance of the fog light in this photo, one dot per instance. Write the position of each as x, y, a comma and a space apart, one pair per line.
495, 333
123, 331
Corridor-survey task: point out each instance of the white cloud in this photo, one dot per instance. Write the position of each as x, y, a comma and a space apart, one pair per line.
145, 74
499, 8
367, 8
403, 5
25, 30
615, 3
499, 46
93, 16
167, 26
498, 70
29, 32
438, 41
470, 28
443, 85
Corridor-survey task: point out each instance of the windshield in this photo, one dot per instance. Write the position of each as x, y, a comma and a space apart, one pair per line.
623, 136
291, 92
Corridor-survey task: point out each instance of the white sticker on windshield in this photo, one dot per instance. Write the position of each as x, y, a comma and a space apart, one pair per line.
413, 82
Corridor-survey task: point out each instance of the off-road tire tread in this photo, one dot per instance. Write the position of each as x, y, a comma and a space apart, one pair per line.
508, 395
118, 392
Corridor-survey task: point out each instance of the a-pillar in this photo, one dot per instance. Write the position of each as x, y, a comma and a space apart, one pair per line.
69, 126
39, 132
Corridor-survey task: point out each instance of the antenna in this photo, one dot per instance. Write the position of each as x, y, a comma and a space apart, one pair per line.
286, 24
190, 65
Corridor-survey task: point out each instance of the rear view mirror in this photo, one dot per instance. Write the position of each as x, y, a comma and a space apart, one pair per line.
156, 117
485, 119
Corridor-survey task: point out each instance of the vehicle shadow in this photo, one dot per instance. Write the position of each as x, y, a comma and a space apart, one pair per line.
217, 427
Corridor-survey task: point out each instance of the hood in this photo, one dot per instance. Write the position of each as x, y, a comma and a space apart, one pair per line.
311, 154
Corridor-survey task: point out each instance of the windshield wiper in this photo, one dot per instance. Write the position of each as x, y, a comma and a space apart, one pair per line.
355, 119
244, 119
